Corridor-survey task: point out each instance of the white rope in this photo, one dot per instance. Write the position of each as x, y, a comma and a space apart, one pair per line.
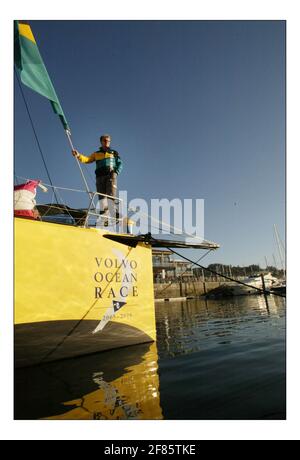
53, 186
63, 203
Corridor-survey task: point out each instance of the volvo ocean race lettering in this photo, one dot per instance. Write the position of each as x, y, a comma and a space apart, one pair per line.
116, 281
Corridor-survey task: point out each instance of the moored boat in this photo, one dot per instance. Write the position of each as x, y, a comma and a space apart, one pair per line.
279, 287
255, 281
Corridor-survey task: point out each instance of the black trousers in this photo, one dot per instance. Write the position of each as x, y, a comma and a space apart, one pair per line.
106, 183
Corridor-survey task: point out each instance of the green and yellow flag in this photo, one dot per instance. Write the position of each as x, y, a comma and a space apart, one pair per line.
32, 70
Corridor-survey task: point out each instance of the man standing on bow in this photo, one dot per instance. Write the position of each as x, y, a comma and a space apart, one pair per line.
108, 166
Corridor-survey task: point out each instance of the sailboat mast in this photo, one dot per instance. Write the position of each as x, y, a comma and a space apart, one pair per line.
279, 248
266, 260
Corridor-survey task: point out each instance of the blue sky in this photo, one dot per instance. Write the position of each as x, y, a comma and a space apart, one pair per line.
195, 108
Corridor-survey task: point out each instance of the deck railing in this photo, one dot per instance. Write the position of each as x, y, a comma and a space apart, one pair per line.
80, 208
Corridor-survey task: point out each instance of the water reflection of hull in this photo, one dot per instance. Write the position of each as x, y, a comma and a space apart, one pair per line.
119, 384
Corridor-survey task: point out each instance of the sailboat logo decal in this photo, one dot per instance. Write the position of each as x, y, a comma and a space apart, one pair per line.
118, 305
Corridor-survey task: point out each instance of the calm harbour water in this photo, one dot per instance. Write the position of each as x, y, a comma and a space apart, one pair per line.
214, 359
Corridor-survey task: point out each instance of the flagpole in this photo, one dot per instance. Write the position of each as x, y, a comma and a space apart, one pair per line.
68, 134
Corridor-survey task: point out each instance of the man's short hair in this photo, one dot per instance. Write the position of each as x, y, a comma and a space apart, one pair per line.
103, 136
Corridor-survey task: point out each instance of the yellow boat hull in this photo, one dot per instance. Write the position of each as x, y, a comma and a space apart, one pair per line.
77, 292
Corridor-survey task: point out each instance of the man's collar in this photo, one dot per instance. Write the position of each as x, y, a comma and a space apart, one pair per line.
105, 149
